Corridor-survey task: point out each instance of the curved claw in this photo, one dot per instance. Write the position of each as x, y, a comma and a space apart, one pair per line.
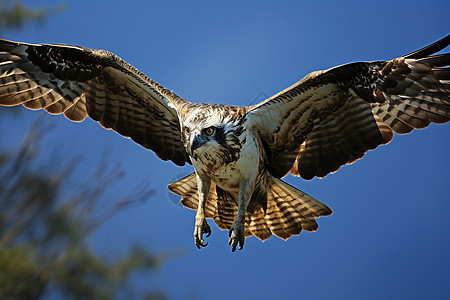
237, 237
233, 243
201, 244
200, 229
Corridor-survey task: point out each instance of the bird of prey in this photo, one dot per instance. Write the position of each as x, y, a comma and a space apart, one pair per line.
328, 119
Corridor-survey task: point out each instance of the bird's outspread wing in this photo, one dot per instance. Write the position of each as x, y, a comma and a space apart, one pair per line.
331, 118
80, 82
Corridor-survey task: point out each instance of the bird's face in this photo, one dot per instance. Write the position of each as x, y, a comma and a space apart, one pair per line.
200, 139
211, 135
203, 131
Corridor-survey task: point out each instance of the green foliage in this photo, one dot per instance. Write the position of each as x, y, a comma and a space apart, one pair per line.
44, 222
45, 218
20, 275
14, 15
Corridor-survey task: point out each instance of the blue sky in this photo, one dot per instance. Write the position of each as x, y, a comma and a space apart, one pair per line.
388, 237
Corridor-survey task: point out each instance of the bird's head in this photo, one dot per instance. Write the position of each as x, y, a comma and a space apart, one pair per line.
201, 138
209, 132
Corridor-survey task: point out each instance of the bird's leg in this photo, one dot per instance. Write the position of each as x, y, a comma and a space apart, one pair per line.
237, 230
201, 226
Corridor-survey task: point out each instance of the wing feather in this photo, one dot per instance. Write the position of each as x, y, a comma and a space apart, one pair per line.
332, 118
80, 82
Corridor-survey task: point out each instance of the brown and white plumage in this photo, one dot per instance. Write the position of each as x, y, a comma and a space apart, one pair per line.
331, 118
328, 119
288, 210
80, 82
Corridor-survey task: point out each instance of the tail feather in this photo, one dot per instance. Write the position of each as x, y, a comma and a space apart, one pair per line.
256, 225
307, 203
187, 188
299, 209
226, 208
276, 219
289, 210
295, 220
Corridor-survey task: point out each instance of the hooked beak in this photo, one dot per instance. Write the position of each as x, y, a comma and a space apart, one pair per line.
197, 142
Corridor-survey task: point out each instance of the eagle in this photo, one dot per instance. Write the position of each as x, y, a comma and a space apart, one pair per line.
328, 119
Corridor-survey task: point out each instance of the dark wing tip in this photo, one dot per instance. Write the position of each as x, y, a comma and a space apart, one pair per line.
431, 49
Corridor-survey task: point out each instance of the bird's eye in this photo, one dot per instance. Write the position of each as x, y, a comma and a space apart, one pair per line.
187, 130
209, 131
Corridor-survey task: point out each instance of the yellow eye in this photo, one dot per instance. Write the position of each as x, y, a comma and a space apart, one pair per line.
209, 131
187, 130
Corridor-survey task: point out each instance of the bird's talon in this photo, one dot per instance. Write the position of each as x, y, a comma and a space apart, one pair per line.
237, 236
201, 228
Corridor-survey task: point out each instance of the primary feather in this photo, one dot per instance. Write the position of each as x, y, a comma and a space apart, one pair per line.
332, 118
